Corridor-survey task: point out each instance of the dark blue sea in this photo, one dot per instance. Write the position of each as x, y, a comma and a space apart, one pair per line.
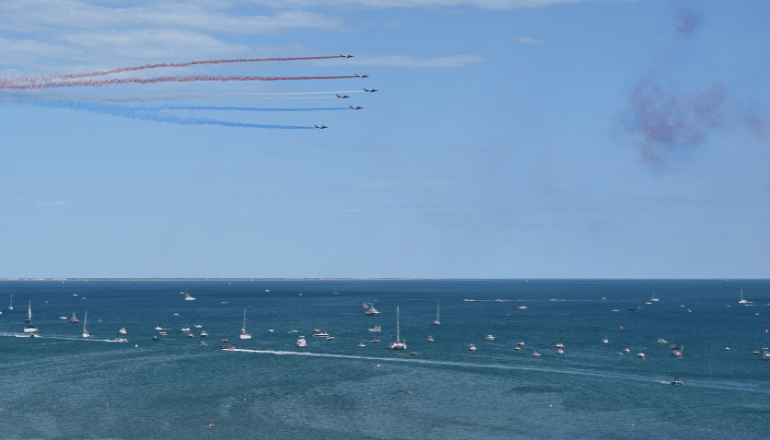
61, 385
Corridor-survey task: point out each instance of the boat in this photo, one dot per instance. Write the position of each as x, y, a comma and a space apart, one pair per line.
63, 318
28, 319
521, 343
330, 338
677, 353
10, 307
376, 328
198, 326
559, 345
676, 382
187, 297
605, 340
155, 338
727, 348
662, 341
301, 342
74, 319
224, 341
320, 334
361, 344
85, 321
741, 300
437, 321
244, 334
489, 338
766, 355
430, 338
204, 334
375, 341
640, 355
517, 348
398, 345
535, 354
158, 328
191, 335
627, 350
560, 351
185, 329
630, 309
122, 331
163, 333
270, 330
226, 347
121, 340
176, 314
372, 312
654, 299
522, 307
472, 348
413, 354
204, 344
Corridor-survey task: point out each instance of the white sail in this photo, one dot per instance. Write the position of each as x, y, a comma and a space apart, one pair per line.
85, 320
244, 333
398, 345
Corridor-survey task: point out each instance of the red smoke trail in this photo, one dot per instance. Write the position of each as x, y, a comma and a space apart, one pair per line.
108, 82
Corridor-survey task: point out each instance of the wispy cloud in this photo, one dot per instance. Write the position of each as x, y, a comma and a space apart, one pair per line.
449, 62
529, 40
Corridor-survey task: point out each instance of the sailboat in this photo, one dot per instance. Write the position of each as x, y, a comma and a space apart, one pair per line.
74, 319
244, 334
85, 332
10, 307
30, 328
437, 321
654, 299
742, 301
398, 345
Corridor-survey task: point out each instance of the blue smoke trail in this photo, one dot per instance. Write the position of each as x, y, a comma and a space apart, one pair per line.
151, 115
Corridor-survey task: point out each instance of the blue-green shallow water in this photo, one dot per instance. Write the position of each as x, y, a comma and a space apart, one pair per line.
173, 388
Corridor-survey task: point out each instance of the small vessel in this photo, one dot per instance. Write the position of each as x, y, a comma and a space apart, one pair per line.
244, 334
187, 296
627, 350
676, 382
176, 314
10, 307
301, 342
640, 355
330, 338
226, 347
413, 354
398, 345
376, 328
430, 338
198, 326
320, 334
204, 344
766, 355
517, 348
85, 321
727, 348
437, 321
605, 340
294, 331
489, 338
163, 333
191, 335
654, 299
28, 319
361, 344
366, 306
185, 329
224, 341
662, 341
559, 345
158, 328
63, 318
560, 351
270, 330
375, 340
677, 352
372, 312
472, 348
689, 311
74, 319
522, 307
204, 334
535, 354
741, 300
521, 343
122, 331
121, 340
155, 338
630, 309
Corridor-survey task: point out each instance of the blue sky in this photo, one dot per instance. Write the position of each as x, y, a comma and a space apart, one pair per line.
507, 139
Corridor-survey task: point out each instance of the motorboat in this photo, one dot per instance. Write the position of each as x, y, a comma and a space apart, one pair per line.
270, 330
187, 297
676, 382
63, 318
158, 328
605, 340
163, 333
198, 326
560, 351
430, 338
191, 335
330, 338
677, 353
640, 355
472, 348
372, 312
398, 345
535, 354
301, 342
204, 334
224, 341
413, 354
662, 341
521, 343
375, 329
320, 334
185, 329
559, 345
375, 341
121, 340
361, 344
122, 331
627, 350
522, 307
155, 338
517, 348
489, 338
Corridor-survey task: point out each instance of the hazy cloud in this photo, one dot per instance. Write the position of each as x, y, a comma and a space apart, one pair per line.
530, 41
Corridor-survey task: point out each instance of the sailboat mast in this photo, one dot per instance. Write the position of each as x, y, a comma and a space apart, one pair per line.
29, 311
398, 327
85, 320
244, 319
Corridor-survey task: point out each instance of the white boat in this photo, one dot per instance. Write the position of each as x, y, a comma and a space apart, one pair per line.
85, 321
185, 329
662, 341
521, 343
605, 340
204, 334
678, 352
361, 344
741, 300
430, 338
187, 297
320, 334
376, 328
244, 334
122, 331
198, 326
472, 347
489, 338
63, 318
522, 307
10, 307
437, 321
676, 382
654, 299
560, 351
372, 312
640, 355
766, 355
517, 348
627, 350
559, 345
398, 345
121, 340
535, 354
158, 328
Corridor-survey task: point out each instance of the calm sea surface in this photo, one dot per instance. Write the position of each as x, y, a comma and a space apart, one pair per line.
61, 385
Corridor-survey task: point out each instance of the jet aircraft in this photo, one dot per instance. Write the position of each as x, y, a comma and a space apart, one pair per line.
361, 75
346, 55
321, 127
355, 108
342, 96
370, 90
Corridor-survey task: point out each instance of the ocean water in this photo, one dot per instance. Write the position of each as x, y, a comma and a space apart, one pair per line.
60, 385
